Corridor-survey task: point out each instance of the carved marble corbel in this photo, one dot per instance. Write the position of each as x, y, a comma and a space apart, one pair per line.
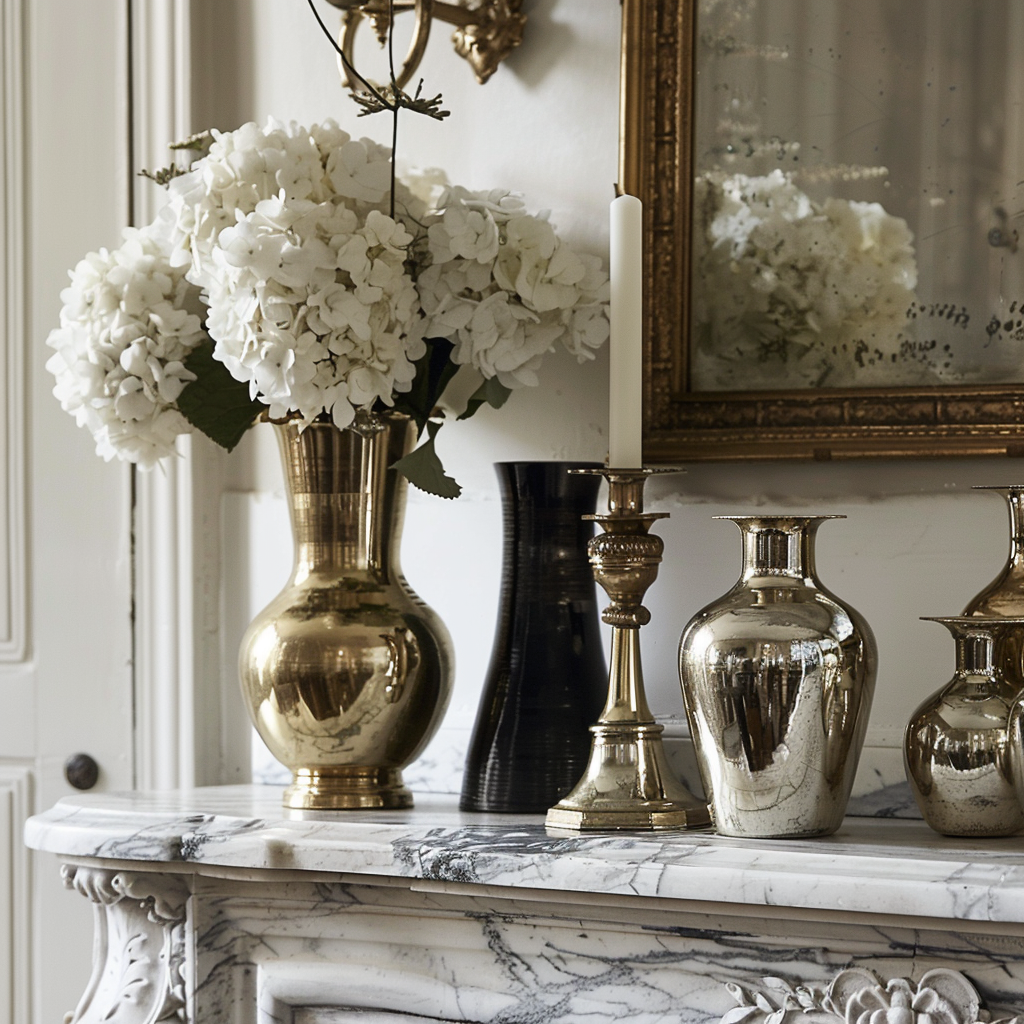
138, 972
858, 996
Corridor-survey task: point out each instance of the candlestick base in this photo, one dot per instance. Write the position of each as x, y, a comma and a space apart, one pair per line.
628, 783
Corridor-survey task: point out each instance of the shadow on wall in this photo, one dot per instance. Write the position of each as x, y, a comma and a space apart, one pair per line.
222, 36
548, 40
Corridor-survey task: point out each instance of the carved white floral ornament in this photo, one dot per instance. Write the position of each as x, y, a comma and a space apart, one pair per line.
858, 996
139, 958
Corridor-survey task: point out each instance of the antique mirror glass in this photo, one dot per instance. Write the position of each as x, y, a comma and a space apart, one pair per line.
848, 215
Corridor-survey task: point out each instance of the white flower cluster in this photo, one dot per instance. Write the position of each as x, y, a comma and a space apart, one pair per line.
128, 321
504, 288
315, 297
310, 301
789, 292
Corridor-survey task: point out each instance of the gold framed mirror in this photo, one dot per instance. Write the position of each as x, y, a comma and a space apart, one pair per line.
833, 191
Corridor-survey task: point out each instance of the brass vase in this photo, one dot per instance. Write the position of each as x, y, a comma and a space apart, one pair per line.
959, 744
777, 678
346, 673
1004, 596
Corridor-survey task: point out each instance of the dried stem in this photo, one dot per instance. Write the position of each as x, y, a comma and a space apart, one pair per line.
395, 93
348, 64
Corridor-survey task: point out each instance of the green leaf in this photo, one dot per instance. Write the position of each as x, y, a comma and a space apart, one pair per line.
164, 175
492, 391
423, 469
215, 403
433, 372
200, 142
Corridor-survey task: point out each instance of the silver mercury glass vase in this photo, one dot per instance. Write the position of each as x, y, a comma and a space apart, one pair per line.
1004, 596
959, 750
777, 678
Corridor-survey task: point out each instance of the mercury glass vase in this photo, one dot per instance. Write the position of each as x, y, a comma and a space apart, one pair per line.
346, 673
777, 678
1004, 596
547, 680
958, 744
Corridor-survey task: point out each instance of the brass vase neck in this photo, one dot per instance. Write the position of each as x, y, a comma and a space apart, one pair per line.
778, 545
1014, 497
341, 497
975, 654
1015, 503
976, 640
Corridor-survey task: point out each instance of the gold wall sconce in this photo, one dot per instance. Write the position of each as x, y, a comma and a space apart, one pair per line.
486, 31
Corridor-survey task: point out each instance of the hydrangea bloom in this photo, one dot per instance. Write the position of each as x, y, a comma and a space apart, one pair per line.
128, 321
790, 292
316, 298
504, 287
280, 224
310, 301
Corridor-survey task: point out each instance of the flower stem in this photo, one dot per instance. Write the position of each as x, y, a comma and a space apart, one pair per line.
394, 94
348, 64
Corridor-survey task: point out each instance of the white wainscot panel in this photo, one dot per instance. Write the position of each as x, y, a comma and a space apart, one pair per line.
15, 796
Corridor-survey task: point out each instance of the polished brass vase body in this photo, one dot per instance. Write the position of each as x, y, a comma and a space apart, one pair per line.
777, 679
1004, 596
346, 673
959, 744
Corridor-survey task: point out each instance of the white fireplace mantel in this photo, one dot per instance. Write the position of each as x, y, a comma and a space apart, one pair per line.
215, 906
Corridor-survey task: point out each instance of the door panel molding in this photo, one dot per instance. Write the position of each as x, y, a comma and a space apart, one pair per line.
15, 919
184, 737
13, 300
164, 615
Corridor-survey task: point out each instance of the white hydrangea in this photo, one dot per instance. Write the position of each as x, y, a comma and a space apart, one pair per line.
310, 300
503, 287
315, 297
790, 292
129, 320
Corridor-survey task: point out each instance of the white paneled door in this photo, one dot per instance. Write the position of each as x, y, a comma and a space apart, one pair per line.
65, 515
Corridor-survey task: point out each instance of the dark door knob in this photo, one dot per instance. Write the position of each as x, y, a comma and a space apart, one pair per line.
81, 771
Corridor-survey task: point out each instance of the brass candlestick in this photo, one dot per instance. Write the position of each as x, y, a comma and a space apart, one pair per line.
628, 783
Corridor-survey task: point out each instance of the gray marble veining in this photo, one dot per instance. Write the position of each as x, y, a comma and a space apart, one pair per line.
870, 865
216, 906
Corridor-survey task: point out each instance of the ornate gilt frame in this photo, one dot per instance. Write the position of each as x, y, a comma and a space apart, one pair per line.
656, 160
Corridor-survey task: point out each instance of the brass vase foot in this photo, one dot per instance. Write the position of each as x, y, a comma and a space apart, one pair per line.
628, 783
347, 788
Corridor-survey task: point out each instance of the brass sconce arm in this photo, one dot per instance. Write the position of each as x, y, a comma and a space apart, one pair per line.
486, 31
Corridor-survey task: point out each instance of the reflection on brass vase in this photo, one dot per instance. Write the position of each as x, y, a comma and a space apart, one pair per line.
1015, 745
346, 673
546, 681
957, 747
1004, 596
777, 679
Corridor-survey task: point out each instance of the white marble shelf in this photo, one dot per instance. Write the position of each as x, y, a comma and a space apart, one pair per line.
869, 866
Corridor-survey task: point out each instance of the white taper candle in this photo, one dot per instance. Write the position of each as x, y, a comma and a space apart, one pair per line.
625, 392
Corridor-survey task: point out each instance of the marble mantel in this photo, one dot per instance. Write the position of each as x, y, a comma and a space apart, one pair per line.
215, 906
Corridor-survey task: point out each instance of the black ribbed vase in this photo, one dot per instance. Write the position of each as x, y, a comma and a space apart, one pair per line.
547, 680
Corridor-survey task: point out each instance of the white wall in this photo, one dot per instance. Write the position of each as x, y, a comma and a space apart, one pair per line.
917, 541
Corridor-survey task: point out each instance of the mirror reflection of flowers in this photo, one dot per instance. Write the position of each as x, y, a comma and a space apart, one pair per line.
794, 293
276, 281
